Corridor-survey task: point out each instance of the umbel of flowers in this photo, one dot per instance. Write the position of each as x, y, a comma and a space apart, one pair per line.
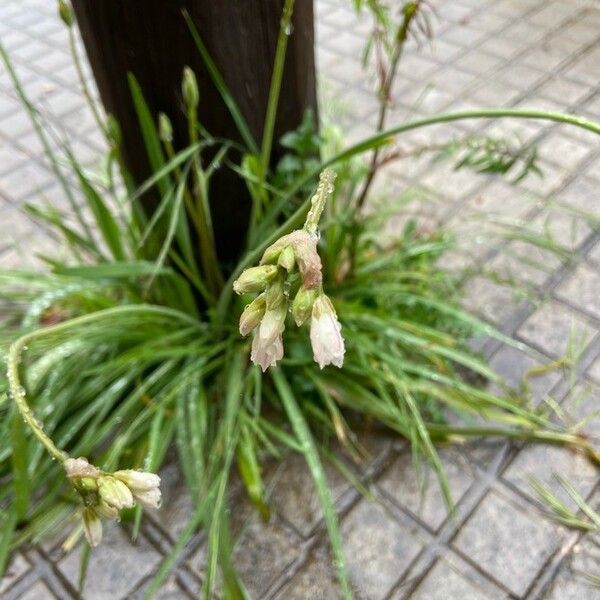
292, 267
104, 495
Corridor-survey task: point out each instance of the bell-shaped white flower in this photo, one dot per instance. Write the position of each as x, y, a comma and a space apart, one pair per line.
267, 345
325, 334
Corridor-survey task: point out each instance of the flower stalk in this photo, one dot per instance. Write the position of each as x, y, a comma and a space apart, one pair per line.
292, 263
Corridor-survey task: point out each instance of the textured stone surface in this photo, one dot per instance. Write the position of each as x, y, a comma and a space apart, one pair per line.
521, 53
508, 541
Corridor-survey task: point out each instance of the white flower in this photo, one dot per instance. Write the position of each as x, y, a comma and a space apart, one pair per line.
325, 334
267, 345
144, 486
266, 354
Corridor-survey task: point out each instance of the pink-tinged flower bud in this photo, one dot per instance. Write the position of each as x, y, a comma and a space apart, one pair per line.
267, 346
254, 279
78, 468
114, 493
252, 315
325, 334
287, 259
303, 304
92, 526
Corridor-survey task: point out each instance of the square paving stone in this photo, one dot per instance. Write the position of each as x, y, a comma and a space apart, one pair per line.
582, 289
415, 486
508, 541
116, 566
16, 567
525, 264
294, 496
315, 580
378, 549
39, 591
262, 551
492, 301
542, 462
553, 327
517, 370
450, 578
170, 590
571, 582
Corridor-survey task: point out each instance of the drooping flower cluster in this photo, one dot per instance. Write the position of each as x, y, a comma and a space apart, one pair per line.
104, 494
292, 267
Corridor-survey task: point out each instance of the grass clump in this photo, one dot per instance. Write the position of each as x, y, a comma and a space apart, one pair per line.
131, 345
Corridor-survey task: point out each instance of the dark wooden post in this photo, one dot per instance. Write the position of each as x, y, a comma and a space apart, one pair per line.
150, 39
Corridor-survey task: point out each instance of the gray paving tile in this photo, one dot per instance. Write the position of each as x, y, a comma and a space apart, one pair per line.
450, 578
16, 568
315, 580
413, 484
116, 567
38, 591
375, 567
552, 327
508, 541
293, 495
582, 289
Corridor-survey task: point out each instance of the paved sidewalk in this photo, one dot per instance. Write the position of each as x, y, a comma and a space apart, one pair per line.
534, 53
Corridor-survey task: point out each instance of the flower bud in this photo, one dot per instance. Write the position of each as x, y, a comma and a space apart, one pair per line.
189, 88
144, 486
303, 304
114, 493
92, 526
137, 481
287, 259
165, 129
254, 279
65, 12
325, 334
252, 315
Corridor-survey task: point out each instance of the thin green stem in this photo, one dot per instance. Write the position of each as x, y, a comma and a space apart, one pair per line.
276, 79
17, 392
367, 144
